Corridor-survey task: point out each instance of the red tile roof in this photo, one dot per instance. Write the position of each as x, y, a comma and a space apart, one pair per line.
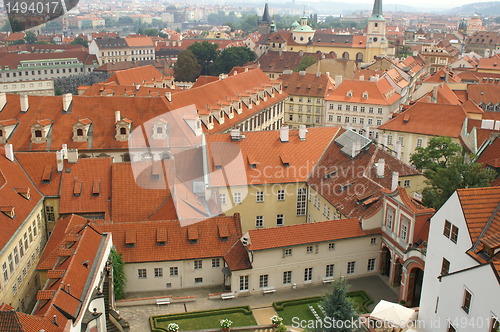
12, 176
293, 235
380, 92
139, 41
444, 95
302, 156
136, 75
275, 61
304, 84
484, 93
237, 257
491, 154
177, 247
111, 89
42, 170
429, 119
489, 64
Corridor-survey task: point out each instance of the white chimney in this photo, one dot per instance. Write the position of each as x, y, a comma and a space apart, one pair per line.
338, 80
64, 151
73, 156
235, 134
354, 151
67, 99
168, 95
9, 152
24, 103
434, 94
302, 132
60, 161
395, 179
361, 78
284, 133
398, 150
3, 100
380, 168
327, 73
118, 116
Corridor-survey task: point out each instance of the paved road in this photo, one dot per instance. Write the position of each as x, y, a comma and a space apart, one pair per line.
138, 316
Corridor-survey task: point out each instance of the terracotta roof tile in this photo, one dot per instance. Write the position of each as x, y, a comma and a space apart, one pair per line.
136, 75
277, 237
309, 85
484, 93
237, 257
379, 92
491, 155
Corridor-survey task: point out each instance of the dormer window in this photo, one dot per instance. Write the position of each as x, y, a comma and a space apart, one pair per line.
123, 131
365, 94
40, 130
123, 128
81, 129
79, 132
349, 93
25, 192
38, 133
159, 130
8, 211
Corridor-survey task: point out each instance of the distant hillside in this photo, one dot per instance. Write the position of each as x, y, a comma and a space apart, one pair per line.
491, 8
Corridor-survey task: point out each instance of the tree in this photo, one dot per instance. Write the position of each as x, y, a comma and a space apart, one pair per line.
80, 41
338, 306
205, 54
447, 169
233, 56
305, 62
30, 37
119, 276
186, 68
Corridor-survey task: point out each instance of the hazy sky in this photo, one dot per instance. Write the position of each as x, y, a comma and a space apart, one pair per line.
425, 3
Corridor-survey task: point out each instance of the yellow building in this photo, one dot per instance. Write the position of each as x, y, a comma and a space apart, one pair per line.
23, 234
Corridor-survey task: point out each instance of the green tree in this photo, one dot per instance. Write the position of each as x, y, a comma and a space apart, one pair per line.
30, 37
119, 276
80, 41
19, 41
447, 169
338, 306
186, 68
233, 56
205, 54
305, 62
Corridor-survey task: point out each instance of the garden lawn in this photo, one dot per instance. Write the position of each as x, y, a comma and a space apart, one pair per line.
240, 316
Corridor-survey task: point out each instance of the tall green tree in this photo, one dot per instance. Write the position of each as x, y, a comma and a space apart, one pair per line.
447, 169
186, 68
338, 306
119, 276
233, 56
30, 37
305, 62
205, 54
80, 41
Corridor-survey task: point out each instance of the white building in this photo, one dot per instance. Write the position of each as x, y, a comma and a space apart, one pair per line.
461, 281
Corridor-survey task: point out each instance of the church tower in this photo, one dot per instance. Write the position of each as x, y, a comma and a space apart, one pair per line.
376, 42
265, 22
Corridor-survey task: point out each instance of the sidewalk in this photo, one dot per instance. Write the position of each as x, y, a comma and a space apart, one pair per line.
138, 316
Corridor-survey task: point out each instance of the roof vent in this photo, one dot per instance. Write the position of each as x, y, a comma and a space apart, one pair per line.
284, 134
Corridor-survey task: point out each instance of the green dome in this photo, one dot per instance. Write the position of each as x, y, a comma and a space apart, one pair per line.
303, 28
295, 24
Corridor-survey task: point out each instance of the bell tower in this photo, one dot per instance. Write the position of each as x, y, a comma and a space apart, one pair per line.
265, 22
375, 33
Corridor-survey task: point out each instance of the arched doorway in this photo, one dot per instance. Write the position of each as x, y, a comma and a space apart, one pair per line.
385, 260
415, 279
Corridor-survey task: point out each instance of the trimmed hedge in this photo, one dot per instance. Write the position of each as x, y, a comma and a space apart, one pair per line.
280, 305
155, 320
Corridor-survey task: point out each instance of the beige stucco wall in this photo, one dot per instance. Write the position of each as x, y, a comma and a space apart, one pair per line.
303, 110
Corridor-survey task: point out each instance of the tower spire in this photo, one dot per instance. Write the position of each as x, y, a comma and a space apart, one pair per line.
266, 17
377, 10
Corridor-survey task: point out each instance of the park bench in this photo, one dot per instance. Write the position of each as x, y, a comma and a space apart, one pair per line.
163, 301
227, 296
268, 290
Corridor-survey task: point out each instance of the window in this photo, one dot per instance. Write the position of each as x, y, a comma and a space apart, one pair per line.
16, 256
308, 272
38, 133
290, 116
339, 118
287, 252
347, 107
329, 270
316, 202
353, 120
371, 264
401, 140
330, 117
21, 248
142, 274
331, 246
331, 106
380, 110
355, 108
158, 272
407, 183
346, 119
198, 264
243, 283
259, 197
11, 264
309, 249
467, 301
404, 231
361, 120
350, 267
373, 240
379, 122
215, 262
301, 201
454, 234
237, 198
447, 228
14, 288
5, 273
174, 271
259, 221
362, 109
222, 198
370, 121
370, 110
280, 220
30, 234
198, 280
287, 277
419, 142
281, 195
339, 107
445, 267
263, 280
389, 219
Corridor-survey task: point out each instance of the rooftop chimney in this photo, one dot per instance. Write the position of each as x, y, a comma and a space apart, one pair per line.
302, 132
118, 116
67, 99
235, 134
284, 133
395, 179
73, 156
380, 168
435, 94
64, 151
338, 80
3, 100
60, 161
9, 152
24, 103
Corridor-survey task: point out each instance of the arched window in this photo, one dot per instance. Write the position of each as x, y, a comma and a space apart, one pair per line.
359, 57
79, 132
123, 131
159, 130
345, 55
126, 157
